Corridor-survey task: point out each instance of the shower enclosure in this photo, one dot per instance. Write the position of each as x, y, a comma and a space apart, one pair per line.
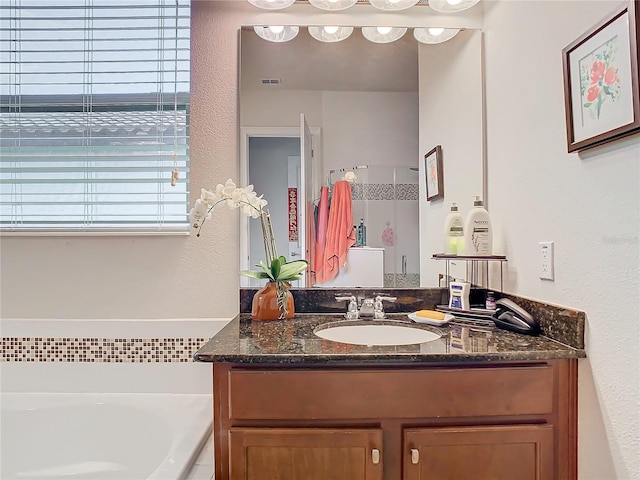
386, 199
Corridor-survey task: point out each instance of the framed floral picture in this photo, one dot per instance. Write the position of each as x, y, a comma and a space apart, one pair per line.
433, 173
601, 80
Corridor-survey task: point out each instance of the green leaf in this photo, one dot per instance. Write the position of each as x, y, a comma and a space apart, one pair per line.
255, 274
267, 270
275, 267
290, 271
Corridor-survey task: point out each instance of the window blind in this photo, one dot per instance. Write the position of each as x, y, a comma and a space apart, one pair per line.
94, 115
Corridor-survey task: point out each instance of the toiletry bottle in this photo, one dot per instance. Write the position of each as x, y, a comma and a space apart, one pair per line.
459, 295
361, 236
490, 302
478, 236
453, 231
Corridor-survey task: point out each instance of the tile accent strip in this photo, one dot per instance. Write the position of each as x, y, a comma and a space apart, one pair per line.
385, 191
113, 350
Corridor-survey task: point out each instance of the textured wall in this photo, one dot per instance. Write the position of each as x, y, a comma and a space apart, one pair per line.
169, 277
587, 203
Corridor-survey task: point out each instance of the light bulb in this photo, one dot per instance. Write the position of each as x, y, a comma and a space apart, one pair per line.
383, 30
453, 2
330, 29
276, 28
436, 31
394, 1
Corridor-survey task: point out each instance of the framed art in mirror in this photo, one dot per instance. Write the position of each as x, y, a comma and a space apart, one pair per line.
602, 99
434, 174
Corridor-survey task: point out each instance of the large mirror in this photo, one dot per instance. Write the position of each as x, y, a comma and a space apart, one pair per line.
373, 111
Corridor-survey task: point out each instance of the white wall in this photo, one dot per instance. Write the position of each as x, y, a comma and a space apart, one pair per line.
588, 204
370, 128
357, 128
451, 116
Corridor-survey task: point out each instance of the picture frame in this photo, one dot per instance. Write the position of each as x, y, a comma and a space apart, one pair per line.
601, 90
434, 177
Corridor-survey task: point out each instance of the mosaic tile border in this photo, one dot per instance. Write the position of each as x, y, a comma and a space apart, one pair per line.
99, 350
385, 191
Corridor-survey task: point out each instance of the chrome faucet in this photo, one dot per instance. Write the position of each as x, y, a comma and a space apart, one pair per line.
378, 307
352, 309
366, 306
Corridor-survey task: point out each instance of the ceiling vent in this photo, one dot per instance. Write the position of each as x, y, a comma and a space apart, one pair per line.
271, 81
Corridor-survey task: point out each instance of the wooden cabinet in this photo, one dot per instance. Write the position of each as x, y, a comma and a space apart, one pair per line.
495, 421
523, 452
305, 454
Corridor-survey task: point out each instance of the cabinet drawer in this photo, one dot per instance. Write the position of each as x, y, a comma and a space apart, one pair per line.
394, 393
304, 453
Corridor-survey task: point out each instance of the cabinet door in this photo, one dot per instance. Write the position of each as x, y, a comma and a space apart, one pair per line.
522, 452
305, 454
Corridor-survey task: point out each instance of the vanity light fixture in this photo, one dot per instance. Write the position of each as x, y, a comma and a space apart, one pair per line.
451, 6
330, 33
383, 34
434, 35
334, 5
277, 33
271, 4
393, 5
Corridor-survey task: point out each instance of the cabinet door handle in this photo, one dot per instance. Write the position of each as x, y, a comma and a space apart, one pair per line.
415, 456
375, 456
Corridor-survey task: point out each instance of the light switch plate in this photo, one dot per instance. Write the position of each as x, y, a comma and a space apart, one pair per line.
546, 260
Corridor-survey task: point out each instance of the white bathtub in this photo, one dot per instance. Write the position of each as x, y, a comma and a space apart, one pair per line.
102, 436
106, 419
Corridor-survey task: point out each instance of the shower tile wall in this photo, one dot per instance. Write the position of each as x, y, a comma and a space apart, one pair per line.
384, 205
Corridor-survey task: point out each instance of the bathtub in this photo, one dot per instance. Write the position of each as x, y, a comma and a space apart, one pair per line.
116, 416
102, 436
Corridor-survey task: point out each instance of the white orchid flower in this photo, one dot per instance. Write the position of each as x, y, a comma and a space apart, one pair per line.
199, 213
209, 197
276, 269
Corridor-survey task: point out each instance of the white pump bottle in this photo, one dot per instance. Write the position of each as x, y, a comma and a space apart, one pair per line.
478, 234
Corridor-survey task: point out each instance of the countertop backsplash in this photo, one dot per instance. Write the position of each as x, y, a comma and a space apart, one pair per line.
564, 325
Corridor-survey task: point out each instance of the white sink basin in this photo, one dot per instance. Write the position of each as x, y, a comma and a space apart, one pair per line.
367, 334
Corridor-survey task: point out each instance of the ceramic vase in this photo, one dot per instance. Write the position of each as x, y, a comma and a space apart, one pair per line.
265, 303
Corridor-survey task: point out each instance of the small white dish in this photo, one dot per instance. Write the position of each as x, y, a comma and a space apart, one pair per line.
431, 321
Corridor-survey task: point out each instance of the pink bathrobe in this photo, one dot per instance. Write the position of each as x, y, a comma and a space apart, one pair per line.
340, 235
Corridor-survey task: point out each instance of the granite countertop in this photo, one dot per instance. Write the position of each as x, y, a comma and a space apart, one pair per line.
294, 342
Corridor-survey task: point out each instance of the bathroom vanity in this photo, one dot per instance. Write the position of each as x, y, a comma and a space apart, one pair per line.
477, 403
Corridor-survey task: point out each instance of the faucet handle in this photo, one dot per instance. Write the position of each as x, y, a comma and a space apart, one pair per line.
386, 298
378, 309
346, 297
352, 309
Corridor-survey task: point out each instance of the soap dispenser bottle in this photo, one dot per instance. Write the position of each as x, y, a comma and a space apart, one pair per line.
361, 234
454, 232
478, 235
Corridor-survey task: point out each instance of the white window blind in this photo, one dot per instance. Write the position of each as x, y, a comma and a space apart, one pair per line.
94, 115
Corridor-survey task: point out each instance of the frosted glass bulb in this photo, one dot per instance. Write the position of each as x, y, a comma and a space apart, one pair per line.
330, 29
436, 31
383, 30
276, 28
453, 2
396, 1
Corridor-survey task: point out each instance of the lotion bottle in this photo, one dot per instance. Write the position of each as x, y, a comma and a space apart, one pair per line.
478, 235
454, 232
459, 295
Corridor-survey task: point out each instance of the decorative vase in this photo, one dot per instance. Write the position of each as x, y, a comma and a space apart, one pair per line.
265, 305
